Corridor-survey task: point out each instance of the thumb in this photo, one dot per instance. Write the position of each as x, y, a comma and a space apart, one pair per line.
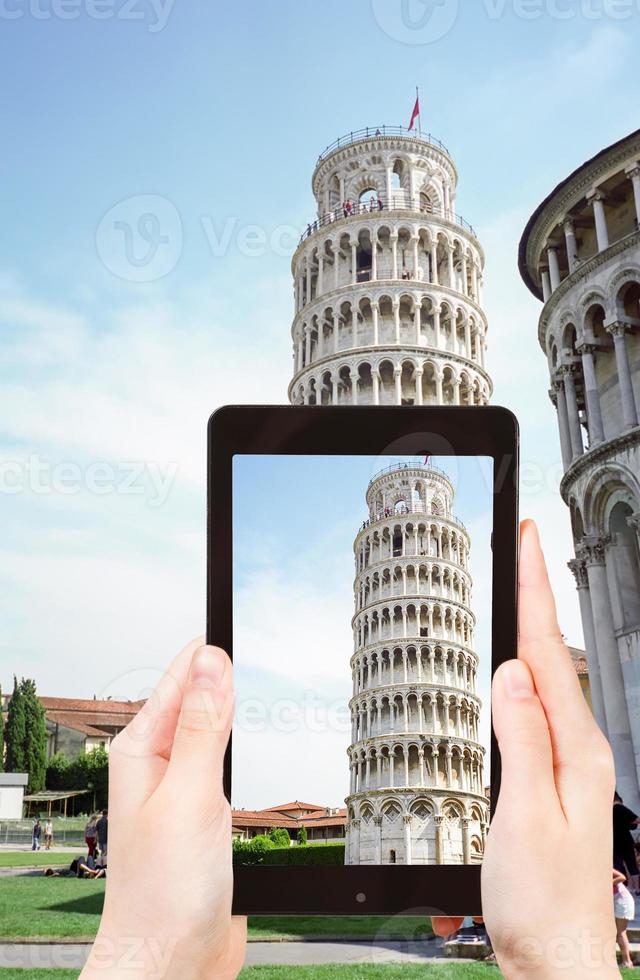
523, 736
204, 724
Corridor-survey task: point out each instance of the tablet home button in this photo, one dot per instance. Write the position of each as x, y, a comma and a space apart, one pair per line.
361, 897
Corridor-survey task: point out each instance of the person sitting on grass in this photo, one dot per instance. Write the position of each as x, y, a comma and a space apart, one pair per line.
79, 868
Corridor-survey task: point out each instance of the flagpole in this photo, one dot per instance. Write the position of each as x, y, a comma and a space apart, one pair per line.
419, 119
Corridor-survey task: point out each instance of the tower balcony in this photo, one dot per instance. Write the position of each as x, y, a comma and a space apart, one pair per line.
400, 205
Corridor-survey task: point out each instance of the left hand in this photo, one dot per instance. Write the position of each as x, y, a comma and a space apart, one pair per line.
167, 907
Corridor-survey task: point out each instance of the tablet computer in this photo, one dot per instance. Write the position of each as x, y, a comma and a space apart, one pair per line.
362, 577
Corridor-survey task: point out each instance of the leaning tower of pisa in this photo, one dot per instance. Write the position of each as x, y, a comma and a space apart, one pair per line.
416, 762
388, 280
388, 311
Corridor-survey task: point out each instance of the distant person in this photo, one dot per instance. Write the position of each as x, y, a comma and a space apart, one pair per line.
48, 835
102, 826
624, 851
36, 835
91, 835
624, 909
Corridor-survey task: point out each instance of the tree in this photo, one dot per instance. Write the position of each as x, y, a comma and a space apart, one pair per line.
302, 836
1, 734
279, 837
15, 730
35, 742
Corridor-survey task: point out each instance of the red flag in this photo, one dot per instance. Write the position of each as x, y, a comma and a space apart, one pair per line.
416, 112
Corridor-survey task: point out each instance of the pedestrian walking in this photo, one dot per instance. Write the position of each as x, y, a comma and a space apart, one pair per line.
48, 835
36, 835
624, 851
624, 909
102, 827
91, 835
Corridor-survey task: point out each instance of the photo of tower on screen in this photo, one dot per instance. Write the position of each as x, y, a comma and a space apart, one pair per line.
415, 762
362, 653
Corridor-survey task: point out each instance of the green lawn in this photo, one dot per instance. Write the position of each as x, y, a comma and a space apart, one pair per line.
22, 859
453, 971
50, 907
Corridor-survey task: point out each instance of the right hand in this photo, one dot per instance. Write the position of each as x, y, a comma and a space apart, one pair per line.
546, 874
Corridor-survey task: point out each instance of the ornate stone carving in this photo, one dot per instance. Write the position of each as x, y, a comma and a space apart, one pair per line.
579, 568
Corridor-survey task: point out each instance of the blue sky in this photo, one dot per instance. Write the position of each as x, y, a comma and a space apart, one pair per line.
294, 522
211, 125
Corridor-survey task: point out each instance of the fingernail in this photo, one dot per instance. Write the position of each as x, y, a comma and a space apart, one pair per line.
517, 680
207, 667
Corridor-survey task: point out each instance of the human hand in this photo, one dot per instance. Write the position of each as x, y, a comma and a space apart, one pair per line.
167, 907
546, 874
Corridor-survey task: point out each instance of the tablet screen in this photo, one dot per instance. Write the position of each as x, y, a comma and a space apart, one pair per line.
362, 656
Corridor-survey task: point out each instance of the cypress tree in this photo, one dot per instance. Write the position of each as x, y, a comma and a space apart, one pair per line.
15, 730
35, 745
1, 734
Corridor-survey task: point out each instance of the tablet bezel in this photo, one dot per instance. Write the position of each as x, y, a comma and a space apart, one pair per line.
352, 431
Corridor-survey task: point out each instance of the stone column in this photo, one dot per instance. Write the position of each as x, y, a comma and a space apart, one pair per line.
466, 840
375, 319
629, 410
633, 173
377, 841
407, 838
572, 410
354, 857
546, 284
557, 396
448, 756
467, 338
308, 279
572, 245
375, 375
594, 414
336, 267
554, 267
397, 373
353, 374
307, 344
434, 263
418, 381
320, 285
450, 270
602, 232
592, 551
416, 264
465, 282
416, 322
436, 325
579, 568
396, 320
354, 263
394, 256
335, 391
374, 256
439, 822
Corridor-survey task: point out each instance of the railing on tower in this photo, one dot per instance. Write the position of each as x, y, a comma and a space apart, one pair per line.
348, 209
372, 131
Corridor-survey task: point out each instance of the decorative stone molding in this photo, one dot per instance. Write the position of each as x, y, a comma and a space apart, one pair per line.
579, 568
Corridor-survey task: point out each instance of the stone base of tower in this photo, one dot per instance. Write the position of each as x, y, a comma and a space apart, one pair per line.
415, 827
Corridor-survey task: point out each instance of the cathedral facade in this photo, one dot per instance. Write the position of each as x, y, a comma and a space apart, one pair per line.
580, 254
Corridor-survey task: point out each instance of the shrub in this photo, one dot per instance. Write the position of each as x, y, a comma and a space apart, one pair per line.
330, 855
302, 836
279, 837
